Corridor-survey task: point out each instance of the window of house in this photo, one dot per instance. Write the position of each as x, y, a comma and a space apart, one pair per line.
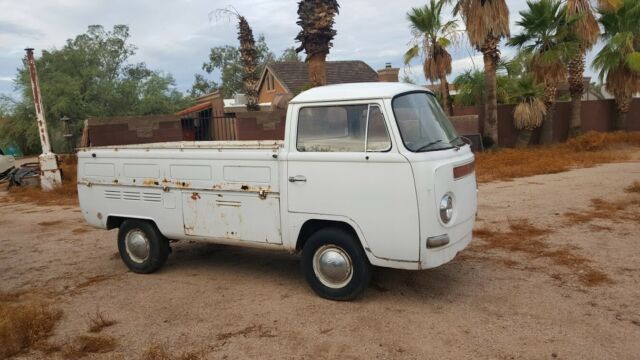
343, 128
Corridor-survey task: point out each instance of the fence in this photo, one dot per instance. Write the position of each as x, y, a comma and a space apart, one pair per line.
597, 115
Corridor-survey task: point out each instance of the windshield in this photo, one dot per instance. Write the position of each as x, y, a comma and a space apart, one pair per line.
423, 125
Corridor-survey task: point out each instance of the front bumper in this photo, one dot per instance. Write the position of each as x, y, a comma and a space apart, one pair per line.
459, 238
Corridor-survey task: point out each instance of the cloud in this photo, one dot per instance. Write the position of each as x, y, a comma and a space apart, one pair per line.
175, 36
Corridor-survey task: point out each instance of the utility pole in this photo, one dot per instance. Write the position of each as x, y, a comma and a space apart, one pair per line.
49, 172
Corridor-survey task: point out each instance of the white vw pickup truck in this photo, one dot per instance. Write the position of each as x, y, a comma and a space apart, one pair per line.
368, 174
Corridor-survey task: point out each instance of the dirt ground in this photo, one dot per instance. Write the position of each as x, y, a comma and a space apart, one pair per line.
492, 301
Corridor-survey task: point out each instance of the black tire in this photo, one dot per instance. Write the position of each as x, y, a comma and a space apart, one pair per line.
333, 239
158, 246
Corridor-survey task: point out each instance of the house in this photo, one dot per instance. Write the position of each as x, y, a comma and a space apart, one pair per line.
216, 118
208, 119
284, 80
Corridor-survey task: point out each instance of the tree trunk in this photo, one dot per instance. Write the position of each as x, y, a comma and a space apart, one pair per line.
623, 103
576, 88
524, 138
576, 114
491, 56
317, 69
546, 135
446, 101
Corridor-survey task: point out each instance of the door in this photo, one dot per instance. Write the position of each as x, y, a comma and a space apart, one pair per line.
233, 199
245, 217
344, 164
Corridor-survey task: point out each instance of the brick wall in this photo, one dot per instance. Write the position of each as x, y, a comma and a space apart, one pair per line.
260, 125
134, 130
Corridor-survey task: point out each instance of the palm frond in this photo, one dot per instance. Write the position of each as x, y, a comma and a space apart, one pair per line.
411, 54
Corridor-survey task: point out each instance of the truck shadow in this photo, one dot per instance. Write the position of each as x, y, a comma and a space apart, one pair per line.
270, 266
233, 261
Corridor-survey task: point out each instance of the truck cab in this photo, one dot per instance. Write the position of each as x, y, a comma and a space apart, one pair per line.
369, 174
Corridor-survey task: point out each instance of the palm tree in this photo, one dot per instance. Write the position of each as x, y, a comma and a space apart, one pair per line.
530, 110
546, 36
471, 88
316, 18
248, 57
431, 38
585, 29
619, 59
487, 22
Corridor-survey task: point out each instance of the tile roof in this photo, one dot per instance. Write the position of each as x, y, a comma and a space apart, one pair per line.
294, 76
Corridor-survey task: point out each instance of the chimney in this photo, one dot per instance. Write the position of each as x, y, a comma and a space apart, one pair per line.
388, 74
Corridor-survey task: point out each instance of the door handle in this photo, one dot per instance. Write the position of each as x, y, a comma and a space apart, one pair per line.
297, 178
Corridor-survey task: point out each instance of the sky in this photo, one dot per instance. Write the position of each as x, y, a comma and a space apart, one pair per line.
176, 36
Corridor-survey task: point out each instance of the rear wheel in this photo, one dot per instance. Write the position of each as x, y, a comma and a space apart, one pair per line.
334, 264
142, 247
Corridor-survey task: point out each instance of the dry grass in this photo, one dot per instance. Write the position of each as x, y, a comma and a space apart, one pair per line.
633, 188
584, 151
98, 321
82, 230
526, 238
25, 319
49, 223
258, 330
605, 210
160, 352
67, 194
84, 345
92, 280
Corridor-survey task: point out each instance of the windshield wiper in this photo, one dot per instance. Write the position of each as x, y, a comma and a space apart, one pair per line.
425, 147
457, 138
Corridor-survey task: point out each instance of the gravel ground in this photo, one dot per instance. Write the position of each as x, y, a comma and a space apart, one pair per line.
225, 302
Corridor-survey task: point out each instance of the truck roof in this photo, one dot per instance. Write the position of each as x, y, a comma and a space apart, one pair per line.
355, 91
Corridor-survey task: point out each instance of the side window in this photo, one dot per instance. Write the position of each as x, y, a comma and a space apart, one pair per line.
342, 129
377, 135
332, 128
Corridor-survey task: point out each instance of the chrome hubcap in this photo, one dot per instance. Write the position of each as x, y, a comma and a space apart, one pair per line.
137, 246
332, 266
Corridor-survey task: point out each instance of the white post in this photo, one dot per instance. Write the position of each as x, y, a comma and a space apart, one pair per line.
49, 172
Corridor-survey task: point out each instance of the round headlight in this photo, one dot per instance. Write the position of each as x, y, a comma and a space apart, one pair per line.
446, 208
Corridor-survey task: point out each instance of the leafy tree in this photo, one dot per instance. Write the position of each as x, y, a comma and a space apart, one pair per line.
226, 60
471, 88
432, 36
201, 86
89, 76
290, 55
619, 59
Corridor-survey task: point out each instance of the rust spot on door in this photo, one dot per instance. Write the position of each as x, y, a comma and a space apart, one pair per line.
195, 196
150, 182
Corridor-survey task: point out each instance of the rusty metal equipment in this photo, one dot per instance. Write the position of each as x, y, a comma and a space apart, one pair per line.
49, 173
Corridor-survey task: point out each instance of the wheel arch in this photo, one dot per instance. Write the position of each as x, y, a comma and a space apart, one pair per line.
115, 221
310, 226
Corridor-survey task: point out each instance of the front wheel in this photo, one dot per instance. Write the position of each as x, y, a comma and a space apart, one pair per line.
142, 247
334, 264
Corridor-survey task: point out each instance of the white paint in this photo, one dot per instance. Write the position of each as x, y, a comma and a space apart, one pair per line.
239, 193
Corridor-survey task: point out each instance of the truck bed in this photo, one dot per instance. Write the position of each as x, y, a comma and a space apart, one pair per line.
191, 189
257, 144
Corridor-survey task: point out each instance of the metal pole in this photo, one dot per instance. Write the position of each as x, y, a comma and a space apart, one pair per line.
49, 172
